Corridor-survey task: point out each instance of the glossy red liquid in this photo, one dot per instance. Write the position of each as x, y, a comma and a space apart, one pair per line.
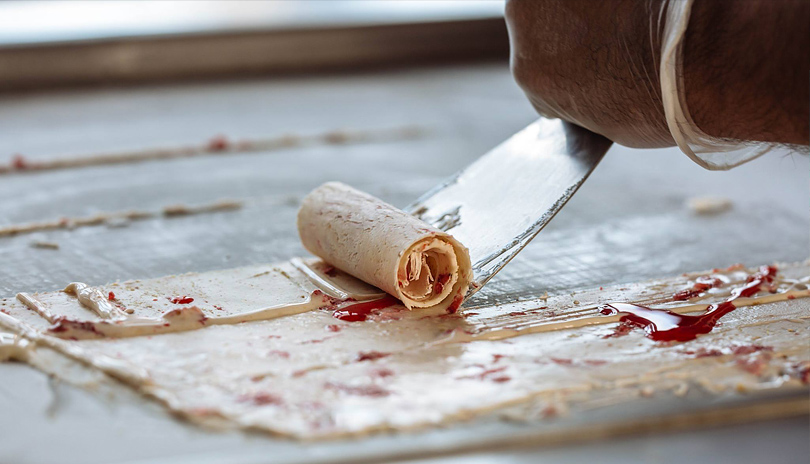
664, 326
702, 284
438, 286
360, 311
455, 304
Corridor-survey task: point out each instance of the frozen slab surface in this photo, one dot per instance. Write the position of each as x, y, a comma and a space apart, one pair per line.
630, 222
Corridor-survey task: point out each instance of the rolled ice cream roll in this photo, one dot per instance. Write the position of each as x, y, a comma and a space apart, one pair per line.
418, 264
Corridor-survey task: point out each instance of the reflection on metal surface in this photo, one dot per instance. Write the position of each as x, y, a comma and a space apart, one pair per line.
335, 282
443, 221
500, 202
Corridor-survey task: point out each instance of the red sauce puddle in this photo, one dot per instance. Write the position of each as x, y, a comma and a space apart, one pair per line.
665, 326
361, 311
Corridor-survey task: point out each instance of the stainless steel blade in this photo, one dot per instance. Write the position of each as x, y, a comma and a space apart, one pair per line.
498, 204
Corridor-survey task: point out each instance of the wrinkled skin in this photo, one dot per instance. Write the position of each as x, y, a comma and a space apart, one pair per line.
595, 63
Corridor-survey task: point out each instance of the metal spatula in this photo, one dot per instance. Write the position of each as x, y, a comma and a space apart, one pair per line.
498, 204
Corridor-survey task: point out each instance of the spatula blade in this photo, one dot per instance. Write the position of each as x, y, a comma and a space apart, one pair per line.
499, 203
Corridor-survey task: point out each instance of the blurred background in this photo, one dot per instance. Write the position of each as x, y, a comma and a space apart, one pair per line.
114, 107
46, 44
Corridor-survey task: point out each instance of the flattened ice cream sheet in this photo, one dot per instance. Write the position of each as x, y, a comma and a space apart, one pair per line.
418, 264
311, 376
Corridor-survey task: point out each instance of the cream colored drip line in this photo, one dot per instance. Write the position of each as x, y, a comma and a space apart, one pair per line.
707, 151
563, 316
107, 218
183, 319
92, 299
566, 315
178, 320
726, 291
116, 368
189, 318
501, 334
35, 305
217, 146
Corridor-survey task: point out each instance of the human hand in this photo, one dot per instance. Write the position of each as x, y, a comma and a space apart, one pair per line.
596, 63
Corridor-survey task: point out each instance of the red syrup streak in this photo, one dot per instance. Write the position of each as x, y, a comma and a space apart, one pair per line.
63, 325
279, 353
111, 296
330, 271
361, 311
370, 355
181, 299
438, 286
260, 399
382, 372
666, 326
19, 162
332, 301
455, 304
702, 284
488, 375
218, 143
